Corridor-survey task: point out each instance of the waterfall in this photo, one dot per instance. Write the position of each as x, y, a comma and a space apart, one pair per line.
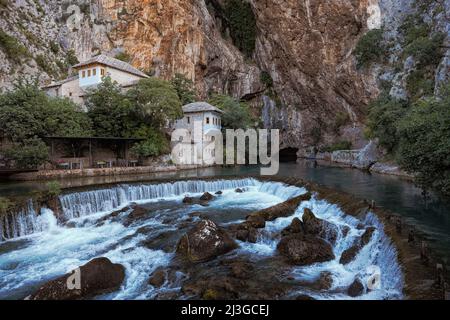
85, 203
25, 222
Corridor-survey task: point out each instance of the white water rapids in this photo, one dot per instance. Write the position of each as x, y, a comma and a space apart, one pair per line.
39, 248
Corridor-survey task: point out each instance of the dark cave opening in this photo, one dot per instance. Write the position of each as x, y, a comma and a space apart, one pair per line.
288, 154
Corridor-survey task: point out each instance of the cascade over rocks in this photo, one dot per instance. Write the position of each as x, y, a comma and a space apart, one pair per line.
205, 242
350, 254
97, 277
305, 249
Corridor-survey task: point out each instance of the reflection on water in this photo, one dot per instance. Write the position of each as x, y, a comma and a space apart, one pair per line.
390, 192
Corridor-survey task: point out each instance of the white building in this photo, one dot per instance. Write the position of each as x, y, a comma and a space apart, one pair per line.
90, 74
201, 123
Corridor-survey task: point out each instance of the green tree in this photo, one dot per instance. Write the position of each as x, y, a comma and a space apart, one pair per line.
156, 101
425, 144
185, 88
154, 145
123, 56
236, 114
29, 153
384, 114
12, 48
27, 112
110, 110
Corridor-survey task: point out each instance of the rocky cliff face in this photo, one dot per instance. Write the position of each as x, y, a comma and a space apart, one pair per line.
304, 45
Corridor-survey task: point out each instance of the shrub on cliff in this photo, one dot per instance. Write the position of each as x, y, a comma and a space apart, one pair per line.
12, 48
427, 51
370, 48
242, 23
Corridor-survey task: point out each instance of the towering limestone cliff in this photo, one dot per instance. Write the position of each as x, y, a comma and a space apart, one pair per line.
299, 72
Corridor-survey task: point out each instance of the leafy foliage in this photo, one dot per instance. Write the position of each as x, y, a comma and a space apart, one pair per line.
29, 153
123, 56
419, 84
426, 50
266, 79
110, 110
156, 101
236, 113
155, 144
185, 88
26, 112
53, 188
71, 58
384, 114
370, 48
425, 145
242, 23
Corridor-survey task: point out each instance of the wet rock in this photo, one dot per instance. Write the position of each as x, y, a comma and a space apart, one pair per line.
242, 235
188, 200
345, 230
97, 277
350, 254
158, 278
325, 281
356, 289
367, 236
284, 209
256, 221
296, 226
219, 193
137, 214
305, 250
205, 242
318, 227
253, 235
206, 197
241, 269
239, 190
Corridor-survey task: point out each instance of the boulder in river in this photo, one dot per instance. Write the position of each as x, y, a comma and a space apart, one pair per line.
97, 277
206, 197
137, 214
305, 250
239, 190
256, 221
205, 242
219, 193
318, 227
356, 289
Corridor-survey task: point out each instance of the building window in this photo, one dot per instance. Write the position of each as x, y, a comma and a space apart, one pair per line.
189, 120
83, 74
207, 120
102, 72
70, 94
89, 72
94, 72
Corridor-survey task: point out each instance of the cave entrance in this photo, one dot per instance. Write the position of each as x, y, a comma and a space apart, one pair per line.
288, 154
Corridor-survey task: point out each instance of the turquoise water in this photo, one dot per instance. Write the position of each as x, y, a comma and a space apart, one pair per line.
393, 193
